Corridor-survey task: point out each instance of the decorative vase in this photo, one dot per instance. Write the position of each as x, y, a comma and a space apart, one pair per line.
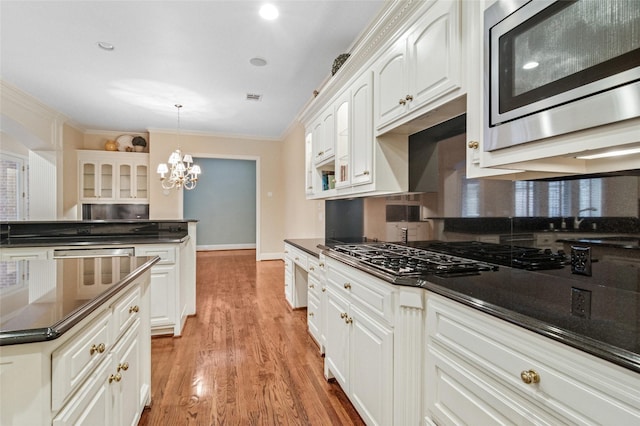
111, 146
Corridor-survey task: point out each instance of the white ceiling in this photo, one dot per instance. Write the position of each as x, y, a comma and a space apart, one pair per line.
195, 53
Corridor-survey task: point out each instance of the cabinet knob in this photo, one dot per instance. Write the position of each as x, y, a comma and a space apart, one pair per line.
311, 268
324, 289
343, 315
312, 286
366, 173
297, 258
530, 376
409, 98
135, 308
348, 320
115, 378
310, 314
123, 366
347, 286
99, 348
474, 144
402, 102
321, 265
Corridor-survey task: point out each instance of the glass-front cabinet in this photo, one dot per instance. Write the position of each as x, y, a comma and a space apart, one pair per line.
342, 168
113, 177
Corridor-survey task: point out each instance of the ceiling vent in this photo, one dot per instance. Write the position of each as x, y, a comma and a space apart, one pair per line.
254, 97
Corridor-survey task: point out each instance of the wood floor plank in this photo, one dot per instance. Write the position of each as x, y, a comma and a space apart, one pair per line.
246, 358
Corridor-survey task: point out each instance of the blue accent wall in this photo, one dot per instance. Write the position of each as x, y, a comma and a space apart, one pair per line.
223, 202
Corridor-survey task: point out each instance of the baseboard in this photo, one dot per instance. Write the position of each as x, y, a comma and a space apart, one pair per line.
227, 247
271, 256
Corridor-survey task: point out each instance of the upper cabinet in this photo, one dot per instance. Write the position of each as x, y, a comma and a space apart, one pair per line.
113, 177
557, 155
422, 69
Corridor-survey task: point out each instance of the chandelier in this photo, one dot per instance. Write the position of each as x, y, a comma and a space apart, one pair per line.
182, 172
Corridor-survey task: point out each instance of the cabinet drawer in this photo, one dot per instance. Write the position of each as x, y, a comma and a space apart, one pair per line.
72, 363
167, 254
125, 311
574, 385
363, 289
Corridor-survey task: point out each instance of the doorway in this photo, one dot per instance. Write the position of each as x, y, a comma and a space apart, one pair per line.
225, 204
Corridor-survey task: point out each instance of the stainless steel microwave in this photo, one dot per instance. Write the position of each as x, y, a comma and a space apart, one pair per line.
555, 67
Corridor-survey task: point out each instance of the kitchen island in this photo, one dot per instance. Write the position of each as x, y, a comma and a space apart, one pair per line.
173, 279
75, 346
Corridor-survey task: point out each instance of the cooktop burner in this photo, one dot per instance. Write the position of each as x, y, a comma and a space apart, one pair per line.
400, 260
529, 258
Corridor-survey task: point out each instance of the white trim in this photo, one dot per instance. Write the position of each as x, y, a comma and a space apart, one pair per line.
226, 247
258, 189
272, 256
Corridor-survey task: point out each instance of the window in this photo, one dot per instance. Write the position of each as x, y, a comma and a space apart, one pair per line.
524, 197
13, 188
470, 197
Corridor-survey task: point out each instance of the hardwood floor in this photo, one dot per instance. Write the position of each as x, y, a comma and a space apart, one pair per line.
245, 358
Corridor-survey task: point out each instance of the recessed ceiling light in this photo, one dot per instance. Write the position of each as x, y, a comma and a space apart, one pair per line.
258, 62
530, 65
269, 12
105, 46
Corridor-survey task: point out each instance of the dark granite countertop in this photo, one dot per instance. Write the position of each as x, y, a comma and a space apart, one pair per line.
309, 245
49, 304
541, 302
94, 232
619, 241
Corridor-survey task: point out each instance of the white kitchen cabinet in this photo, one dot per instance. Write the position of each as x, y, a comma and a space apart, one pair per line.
26, 253
343, 141
359, 348
296, 276
547, 157
167, 303
323, 136
113, 177
422, 69
97, 373
362, 141
480, 370
309, 183
316, 300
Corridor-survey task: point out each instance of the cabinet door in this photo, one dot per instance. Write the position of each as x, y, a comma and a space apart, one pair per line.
126, 178
371, 369
92, 404
435, 54
126, 379
391, 84
362, 131
308, 164
163, 297
342, 140
317, 136
106, 186
88, 180
141, 182
313, 317
328, 131
338, 344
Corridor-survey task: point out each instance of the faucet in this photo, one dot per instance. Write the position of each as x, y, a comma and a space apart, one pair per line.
577, 221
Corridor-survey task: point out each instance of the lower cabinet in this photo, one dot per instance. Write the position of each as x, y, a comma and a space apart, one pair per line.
359, 344
482, 370
96, 373
166, 301
316, 300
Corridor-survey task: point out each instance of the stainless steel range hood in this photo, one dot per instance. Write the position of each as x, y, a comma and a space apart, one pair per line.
423, 153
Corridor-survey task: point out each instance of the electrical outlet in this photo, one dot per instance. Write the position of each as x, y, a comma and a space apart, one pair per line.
581, 260
581, 302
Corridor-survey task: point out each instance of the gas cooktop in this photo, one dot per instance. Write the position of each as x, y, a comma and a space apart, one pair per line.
398, 260
448, 258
